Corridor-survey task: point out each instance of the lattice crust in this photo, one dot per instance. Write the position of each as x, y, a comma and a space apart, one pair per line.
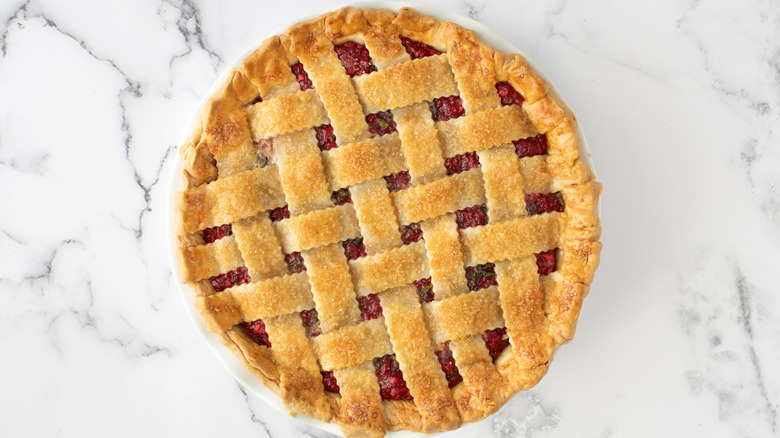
433, 206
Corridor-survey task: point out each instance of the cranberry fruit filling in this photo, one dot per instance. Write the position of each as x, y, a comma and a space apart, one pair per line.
445, 108
256, 331
448, 365
354, 248
355, 58
216, 233
294, 263
329, 382
370, 307
418, 50
472, 216
381, 123
341, 197
424, 290
538, 203
280, 213
496, 341
302, 77
229, 279
411, 233
265, 149
258, 99
398, 181
528, 147
311, 322
461, 163
391, 380
508, 94
545, 262
326, 139
481, 276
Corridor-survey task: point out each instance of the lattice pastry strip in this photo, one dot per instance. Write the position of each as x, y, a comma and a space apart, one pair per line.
420, 143
300, 378
332, 286
286, 113
393, 268
445, 257
404, 84
483, 130
376, 216
355, 163
353, 344
512, 239
334, 88
446, 195
317, 228
476, 80
464, 315
204, 261
301, 171
229, 199
423, 375
260, 248
481, 393
522, 302
504, 185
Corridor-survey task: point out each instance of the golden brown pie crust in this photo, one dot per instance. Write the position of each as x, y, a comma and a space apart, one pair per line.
223, 184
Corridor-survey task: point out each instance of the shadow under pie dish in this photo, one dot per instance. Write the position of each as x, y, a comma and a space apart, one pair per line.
388, 222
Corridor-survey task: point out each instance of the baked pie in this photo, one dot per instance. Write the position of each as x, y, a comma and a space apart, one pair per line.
387, 221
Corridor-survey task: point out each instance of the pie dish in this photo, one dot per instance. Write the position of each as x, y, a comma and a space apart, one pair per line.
387, 221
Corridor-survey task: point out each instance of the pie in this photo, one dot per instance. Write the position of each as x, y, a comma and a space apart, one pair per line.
387, 221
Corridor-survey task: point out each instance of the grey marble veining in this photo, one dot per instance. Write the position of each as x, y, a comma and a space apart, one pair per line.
680, 101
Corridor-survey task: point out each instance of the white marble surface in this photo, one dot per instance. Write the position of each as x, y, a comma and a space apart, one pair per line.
681, 105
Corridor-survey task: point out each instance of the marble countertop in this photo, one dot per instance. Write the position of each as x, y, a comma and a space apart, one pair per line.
680, 101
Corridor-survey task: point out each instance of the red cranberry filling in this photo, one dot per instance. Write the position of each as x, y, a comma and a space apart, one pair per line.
424, 290
302, 77
311, 322
445, 108
341, 197
229, 279
256, 331
326, 139
370, 307
398, 181
391, 380
481, 276
448, 365
354, 248
538, 203
496, 341
508, 94
418, 50
545, 262
355, 58
461, 163
280, 213
472, 216
216, 233
381, 123
329, 382
528, 147
411, 233
258, 99
264, 150
294, 263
